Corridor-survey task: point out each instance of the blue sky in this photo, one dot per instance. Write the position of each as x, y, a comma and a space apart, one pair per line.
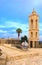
14, 14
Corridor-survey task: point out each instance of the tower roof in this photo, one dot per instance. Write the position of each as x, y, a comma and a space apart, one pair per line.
34, 13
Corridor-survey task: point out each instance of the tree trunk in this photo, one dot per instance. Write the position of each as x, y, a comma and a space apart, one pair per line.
18, 35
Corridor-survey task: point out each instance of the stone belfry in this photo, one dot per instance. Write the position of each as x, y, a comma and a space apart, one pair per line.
33, 30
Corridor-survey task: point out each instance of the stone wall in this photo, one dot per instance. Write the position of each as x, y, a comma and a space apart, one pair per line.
3, 59
9, 41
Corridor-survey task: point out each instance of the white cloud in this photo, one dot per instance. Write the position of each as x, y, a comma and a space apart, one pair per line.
8, 35
15, 35
13, 30
2, 26
40, 29
40, 37
12, 24
24, 33
40, 24
2, 31
24, 27
16, 25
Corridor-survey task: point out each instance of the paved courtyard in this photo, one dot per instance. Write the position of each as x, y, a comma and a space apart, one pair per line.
19, 57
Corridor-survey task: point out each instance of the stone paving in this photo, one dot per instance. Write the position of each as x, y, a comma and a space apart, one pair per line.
18, 57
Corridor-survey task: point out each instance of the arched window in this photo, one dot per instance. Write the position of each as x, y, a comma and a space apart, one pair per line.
36, 23
36, 34
31, 34
31, 23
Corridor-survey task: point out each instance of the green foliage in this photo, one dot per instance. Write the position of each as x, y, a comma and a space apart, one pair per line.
19, 31
23, 39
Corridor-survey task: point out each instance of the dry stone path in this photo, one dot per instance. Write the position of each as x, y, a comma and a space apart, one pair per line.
18, 57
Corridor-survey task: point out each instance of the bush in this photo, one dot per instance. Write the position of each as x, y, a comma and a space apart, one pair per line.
23, 39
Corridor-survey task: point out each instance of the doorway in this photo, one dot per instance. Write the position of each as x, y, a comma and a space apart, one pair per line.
35, 44
31, 44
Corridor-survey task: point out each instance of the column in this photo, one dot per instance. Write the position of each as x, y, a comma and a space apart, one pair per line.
33, 44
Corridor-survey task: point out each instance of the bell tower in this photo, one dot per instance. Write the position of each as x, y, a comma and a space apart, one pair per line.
33, 30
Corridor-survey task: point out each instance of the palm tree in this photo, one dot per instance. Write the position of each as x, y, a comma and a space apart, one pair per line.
19, 31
